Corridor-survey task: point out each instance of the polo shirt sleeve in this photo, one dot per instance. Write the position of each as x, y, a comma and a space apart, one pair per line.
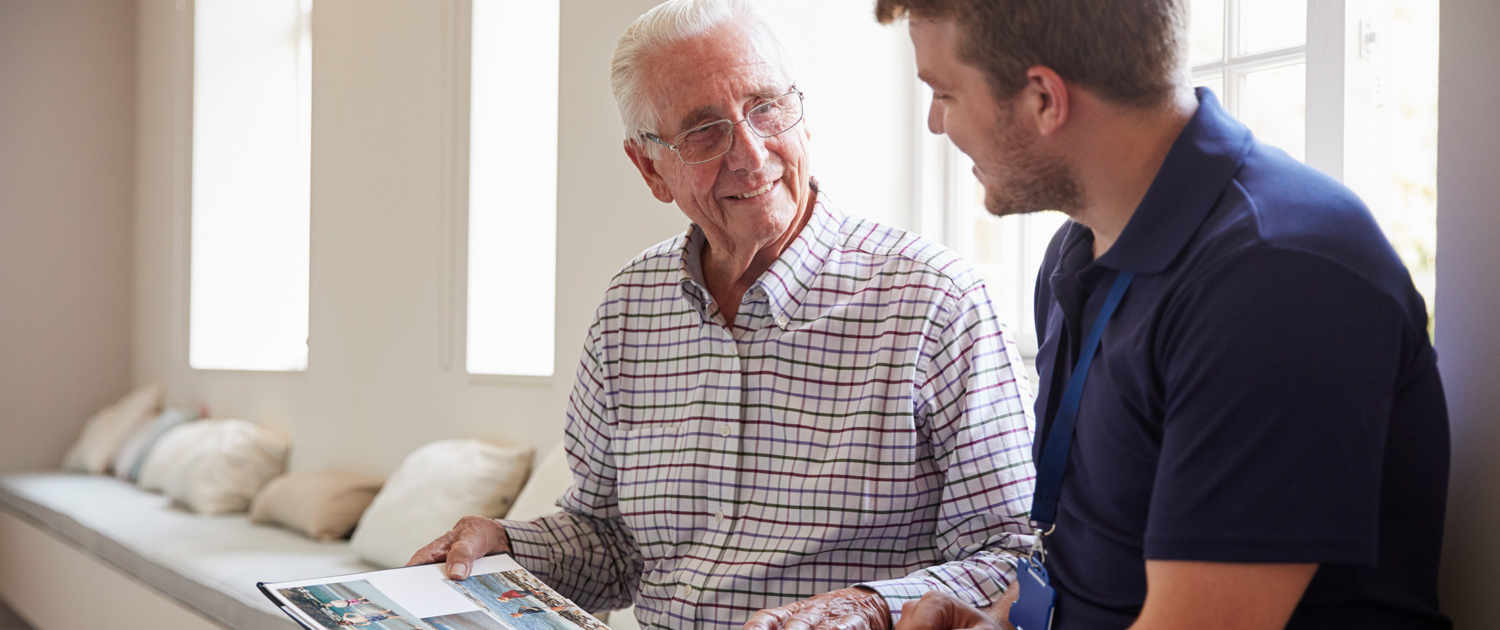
584, 551
1278, 371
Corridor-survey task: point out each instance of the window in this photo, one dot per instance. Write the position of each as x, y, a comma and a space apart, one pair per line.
248, 300
1253, 55
513, 188
1371, 71
858, 103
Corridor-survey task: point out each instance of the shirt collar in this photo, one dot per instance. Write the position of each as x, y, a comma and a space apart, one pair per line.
786, 282
1201, 163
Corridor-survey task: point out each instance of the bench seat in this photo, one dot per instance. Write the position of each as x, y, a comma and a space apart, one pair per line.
208, 564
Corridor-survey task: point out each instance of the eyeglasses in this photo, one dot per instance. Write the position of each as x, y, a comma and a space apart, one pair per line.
707, 142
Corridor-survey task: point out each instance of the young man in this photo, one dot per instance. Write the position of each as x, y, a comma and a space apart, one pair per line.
1261, 438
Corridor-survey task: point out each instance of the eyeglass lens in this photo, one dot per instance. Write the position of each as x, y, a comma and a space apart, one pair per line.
766, 120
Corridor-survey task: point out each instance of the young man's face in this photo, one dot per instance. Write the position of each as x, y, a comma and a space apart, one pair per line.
1018, 175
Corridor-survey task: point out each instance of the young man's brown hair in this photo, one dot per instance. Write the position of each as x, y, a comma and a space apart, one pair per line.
1127, 51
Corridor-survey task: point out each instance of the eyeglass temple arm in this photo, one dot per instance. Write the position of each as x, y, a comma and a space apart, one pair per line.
657, 139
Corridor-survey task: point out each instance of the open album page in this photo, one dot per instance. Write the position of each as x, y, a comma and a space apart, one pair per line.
499, 595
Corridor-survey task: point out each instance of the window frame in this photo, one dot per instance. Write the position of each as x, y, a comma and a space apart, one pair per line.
187, 190
458, 303
943, 176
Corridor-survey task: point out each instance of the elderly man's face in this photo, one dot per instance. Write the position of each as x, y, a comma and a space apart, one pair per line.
754, 194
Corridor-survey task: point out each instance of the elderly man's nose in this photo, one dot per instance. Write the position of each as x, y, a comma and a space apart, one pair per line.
748, 152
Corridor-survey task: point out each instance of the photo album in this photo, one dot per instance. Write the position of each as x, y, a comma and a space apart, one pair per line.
498, 595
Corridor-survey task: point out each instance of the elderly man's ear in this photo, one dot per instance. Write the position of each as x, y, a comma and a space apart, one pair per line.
647, 166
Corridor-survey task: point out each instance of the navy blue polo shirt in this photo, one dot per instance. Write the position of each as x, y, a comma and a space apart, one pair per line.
1266, 392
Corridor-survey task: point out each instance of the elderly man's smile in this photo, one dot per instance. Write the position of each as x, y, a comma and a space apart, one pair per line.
759, 192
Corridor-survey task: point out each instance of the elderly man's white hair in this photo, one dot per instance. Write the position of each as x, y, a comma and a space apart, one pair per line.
667, 23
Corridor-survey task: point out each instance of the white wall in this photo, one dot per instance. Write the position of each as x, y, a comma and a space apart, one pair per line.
66, 112
385, 371
1468, 304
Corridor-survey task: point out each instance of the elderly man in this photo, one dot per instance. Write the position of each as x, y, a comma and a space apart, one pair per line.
783, 409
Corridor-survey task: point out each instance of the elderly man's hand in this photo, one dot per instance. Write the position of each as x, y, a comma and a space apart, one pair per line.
846, 609
474, 537
940, 611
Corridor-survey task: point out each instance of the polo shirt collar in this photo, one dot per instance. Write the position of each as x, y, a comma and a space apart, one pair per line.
1200, 165
785, 283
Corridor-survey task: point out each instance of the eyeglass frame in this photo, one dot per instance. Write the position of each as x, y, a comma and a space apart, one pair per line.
676, 140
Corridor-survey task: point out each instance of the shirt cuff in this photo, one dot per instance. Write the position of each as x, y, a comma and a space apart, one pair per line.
899, 591
530, 546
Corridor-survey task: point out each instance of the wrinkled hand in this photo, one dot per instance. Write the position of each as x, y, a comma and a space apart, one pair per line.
940, 611
474, 537
846, 609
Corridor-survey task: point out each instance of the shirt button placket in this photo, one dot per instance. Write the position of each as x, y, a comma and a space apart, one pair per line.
720, 463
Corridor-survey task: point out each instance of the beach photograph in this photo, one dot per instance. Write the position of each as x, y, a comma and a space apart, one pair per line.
475, 620
354, 604
524, 602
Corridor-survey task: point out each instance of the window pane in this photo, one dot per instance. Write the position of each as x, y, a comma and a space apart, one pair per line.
1208, 31
857, 106
251, 119
1008, 253
1392, 135
1273, 104
513, 188
1271, 24
1213, 82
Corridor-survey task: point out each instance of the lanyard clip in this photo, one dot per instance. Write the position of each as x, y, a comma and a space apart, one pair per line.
1038, 546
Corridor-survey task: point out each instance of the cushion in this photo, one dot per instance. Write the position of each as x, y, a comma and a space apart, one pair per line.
105, 432
323, 505
549, 480
228, 463
166, 459
131, 457
437, 485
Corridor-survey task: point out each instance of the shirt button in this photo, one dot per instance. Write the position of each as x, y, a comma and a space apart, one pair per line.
719, 516
782, 320
684, 590
724, 430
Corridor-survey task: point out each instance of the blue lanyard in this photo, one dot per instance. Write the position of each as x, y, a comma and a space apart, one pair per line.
1049, 470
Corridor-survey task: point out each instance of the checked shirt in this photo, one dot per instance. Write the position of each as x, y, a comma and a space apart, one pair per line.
867, 422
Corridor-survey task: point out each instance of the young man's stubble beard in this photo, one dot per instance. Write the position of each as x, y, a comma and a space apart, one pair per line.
1032, 181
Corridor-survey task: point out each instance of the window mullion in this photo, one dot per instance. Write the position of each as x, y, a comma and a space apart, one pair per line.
1231, 94
1326, 38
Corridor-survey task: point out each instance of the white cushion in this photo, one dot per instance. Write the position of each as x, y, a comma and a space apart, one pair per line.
229, 462
132, 455
549, 480
166, 459
108, 430
436, 486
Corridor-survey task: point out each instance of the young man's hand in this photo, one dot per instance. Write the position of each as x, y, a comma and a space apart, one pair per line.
940, 611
